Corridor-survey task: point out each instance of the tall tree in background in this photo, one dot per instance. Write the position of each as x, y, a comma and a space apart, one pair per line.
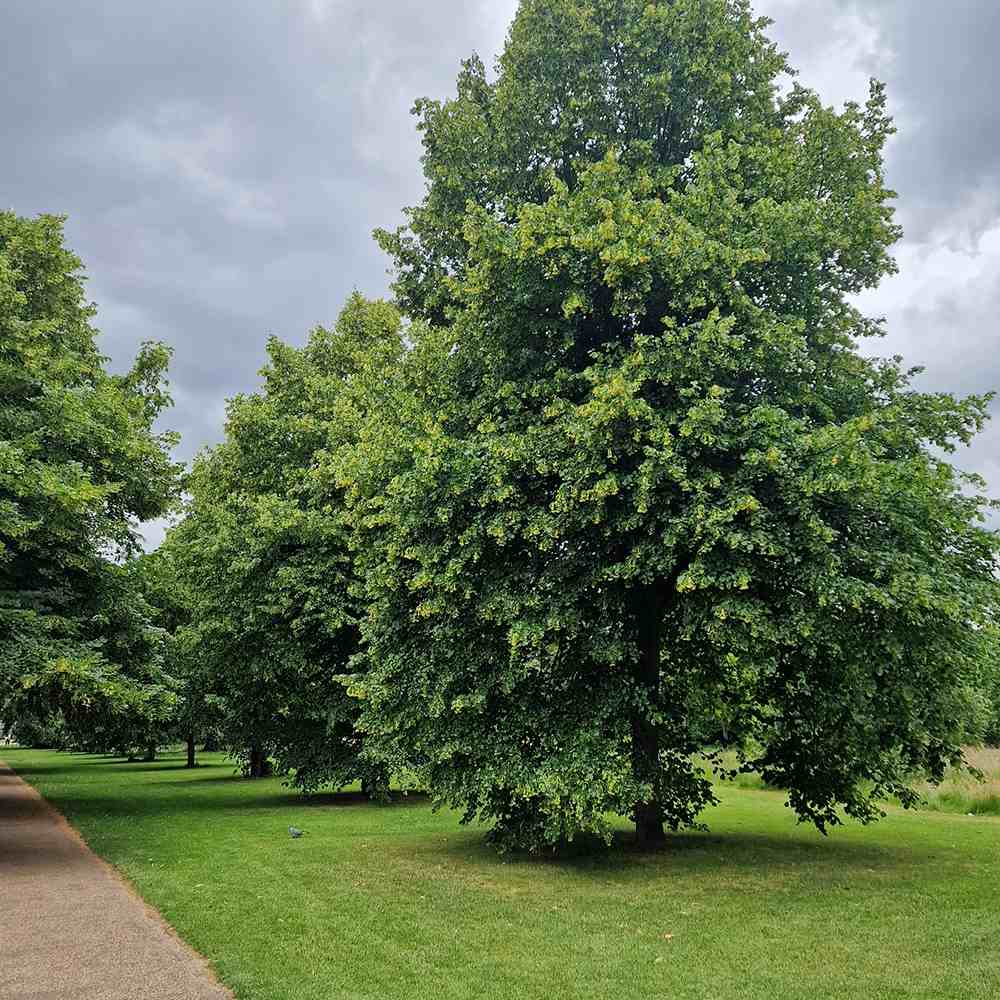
158, 577
114, 693
80, 465
648, 494
263, 552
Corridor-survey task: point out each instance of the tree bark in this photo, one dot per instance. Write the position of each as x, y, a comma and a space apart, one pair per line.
150, 754
376, 786
648, 816
260, 766
190, 751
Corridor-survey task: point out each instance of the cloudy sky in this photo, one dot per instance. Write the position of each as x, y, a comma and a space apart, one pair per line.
223, 164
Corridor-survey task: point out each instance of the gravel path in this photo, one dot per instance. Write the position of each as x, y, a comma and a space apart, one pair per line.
70, 928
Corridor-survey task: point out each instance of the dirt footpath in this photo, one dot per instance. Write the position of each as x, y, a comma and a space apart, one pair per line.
70, 928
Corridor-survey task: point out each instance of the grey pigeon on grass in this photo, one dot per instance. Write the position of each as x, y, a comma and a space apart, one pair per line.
295, 832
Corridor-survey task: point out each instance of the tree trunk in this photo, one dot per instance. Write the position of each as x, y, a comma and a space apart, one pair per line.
260, 766
648, 816
376, 785
190, 751
150, 754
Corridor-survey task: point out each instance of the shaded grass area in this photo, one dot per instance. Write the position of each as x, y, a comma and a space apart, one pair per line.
398, 902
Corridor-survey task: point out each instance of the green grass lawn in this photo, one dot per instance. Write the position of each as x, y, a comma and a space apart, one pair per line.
387, 903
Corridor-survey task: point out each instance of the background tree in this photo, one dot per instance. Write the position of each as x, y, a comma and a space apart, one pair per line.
80, 465
989, 686
647, 484
198, 711
263, 553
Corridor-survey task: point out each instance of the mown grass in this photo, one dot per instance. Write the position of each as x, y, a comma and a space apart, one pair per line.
398, 902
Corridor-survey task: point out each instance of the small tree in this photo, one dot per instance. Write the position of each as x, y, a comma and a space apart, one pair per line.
646, 493
198, 711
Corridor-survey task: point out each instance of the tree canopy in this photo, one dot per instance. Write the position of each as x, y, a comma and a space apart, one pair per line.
612, 496
264, 556
81, 464
654, 499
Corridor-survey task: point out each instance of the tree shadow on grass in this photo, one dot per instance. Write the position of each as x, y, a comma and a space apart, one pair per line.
750, 859
45, 772
321, 800
145, 766
738, 852
42, 770
741, 854
330, 798
71, 762
20, 858
232, 776
170, 799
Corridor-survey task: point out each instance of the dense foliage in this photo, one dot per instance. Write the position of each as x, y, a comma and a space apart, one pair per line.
263, 555
611, 496
197, 709
80, 466
657, 500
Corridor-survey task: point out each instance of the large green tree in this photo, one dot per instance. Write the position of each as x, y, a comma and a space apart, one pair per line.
263, 553
81, 464
645, 495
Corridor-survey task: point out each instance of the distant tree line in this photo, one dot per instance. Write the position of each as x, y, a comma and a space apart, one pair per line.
608, 497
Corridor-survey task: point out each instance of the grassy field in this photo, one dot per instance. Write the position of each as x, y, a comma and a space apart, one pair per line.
394, 903
961, 793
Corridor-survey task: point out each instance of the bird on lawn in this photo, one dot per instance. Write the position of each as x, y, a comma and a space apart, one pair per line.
295, 832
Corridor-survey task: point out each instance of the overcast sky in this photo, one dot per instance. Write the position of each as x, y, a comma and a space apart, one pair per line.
223, 164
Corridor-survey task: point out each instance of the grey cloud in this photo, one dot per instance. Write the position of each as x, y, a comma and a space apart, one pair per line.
943, 68
954, 335
223, 164
940, 64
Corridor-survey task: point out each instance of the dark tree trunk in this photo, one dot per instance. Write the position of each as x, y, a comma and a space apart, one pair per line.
376, 786
150, 754
260, 766
190, 750
648, 816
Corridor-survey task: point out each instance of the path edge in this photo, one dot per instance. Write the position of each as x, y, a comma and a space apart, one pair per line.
151, 911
